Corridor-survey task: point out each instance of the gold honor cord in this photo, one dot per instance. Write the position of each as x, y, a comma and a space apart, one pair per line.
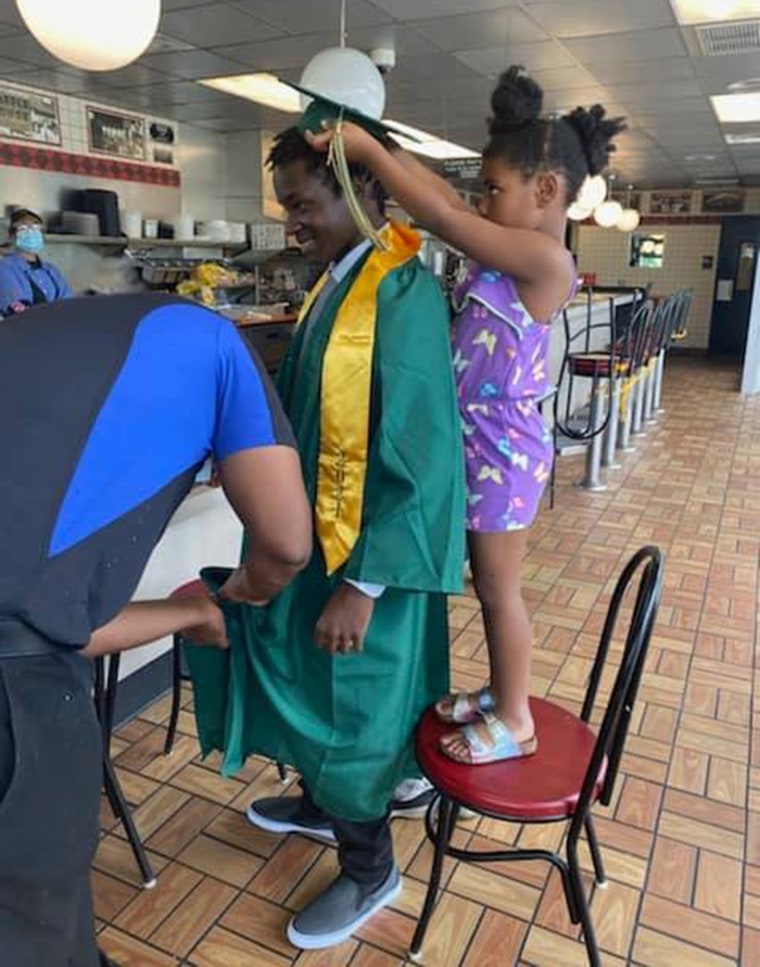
339, 163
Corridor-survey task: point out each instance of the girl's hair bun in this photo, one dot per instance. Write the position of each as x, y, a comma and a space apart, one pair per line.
516, 102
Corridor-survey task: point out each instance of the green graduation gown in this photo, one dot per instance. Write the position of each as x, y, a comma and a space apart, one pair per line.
346, 722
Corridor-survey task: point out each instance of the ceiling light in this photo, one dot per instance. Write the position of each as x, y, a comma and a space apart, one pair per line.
715, 181
608, 214
629, 220
95, 35
262, 88
592, 192
692, 158
751, 84
737, 108
706, 11
751, 137
578, 213
421, 142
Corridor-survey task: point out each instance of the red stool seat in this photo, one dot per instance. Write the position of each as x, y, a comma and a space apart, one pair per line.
596, 364
190, 590
544, 786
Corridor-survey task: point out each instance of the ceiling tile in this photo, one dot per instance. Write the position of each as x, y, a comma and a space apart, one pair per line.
632, 72
192, 64
493, 60
310, 16
472, 30
425, 9
642, 45
135, 75
564, 78
580, 18
169, 5
226, 125
216, 24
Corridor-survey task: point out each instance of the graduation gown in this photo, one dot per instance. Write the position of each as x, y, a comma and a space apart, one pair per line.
346, 722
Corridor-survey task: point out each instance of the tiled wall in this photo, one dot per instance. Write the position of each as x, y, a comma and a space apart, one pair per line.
605, 251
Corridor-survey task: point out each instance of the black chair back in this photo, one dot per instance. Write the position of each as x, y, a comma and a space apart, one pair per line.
646, 569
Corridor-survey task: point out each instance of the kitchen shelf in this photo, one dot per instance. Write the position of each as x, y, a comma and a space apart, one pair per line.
142, 243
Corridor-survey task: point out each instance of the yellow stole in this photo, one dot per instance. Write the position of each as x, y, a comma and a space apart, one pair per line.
345, 397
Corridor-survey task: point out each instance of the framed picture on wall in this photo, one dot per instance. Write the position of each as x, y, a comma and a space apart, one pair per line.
670, 202
119, 135
721, 201
29, 116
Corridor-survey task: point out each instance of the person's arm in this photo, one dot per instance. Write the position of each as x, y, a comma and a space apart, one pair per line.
265, 488
63, 289
10, 291
145, 621
260, 472
421, 172
526, 255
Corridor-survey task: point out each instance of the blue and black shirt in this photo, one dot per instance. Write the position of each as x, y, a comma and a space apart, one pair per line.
108, 408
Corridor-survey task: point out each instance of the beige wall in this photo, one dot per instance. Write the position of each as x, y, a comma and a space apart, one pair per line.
605, 251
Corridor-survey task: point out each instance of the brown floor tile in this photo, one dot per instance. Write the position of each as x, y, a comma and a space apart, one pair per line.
498, 941
691, 926
673, 870
223, 862
183, 826
277, 878
220, 948
688, 770
111, 895
727, 782
704, 810
639, 803
451, 928
258, 920
129, 952
719, 885
180, 932
150, 907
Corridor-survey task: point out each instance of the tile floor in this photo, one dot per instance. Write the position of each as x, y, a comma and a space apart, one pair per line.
682, 839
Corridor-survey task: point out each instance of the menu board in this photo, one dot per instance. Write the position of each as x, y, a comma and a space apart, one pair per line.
121, 135
29, 116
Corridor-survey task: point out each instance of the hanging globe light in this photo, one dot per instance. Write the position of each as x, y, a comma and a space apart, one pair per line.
95, 35
592, 192
629, 220
578, 213
608, 214
347, 76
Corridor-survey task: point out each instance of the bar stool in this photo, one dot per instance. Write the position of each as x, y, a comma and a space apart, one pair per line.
632, 399
190, 589
676, 331
596, 365
104, 694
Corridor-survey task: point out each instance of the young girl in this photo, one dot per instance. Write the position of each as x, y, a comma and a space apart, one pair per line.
523, 276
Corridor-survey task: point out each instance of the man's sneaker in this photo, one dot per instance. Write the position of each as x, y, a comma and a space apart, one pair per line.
340, 911
286, 814
411, 799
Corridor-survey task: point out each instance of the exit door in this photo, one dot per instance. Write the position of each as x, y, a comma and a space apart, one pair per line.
737, 264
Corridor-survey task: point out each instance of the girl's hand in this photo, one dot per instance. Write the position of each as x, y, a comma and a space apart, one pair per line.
357, 143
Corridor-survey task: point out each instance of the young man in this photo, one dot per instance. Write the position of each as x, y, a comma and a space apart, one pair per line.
343, 663
25, 278
110, 406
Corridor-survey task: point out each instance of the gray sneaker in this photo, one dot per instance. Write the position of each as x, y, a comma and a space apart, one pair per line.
286, 814
340, 911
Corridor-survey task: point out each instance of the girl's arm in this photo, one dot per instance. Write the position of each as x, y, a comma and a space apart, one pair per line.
528, 256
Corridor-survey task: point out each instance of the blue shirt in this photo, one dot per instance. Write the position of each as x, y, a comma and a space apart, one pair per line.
110, 407
19, 278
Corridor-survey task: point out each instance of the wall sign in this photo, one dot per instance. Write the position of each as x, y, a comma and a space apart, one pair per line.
119, 135
670, 202
29, 116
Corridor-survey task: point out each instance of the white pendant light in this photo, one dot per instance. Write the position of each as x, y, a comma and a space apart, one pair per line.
608, 214
95, 35
578, 213
629, 220
592, 192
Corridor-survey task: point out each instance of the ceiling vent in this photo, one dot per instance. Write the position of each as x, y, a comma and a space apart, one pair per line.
730, 38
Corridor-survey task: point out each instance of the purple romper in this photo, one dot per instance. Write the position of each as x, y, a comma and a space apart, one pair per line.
501, 361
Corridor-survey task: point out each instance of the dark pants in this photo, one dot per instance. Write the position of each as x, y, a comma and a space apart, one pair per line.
365, 850
50, 779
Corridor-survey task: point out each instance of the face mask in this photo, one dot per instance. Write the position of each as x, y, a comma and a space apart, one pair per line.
30, 240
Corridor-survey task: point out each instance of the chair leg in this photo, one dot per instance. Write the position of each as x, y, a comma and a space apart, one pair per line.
658, 382
171, 732
596, 854
282, 771
592, 479
443, 835
581, 902
624, 435
121, 809
639, 390
611, 433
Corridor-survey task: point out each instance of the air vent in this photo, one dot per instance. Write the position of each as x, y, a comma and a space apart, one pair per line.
749, 137
730, 38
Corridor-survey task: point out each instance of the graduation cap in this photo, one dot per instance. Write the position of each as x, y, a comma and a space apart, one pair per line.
322, 111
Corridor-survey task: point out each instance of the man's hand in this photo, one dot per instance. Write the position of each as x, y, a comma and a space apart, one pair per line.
211, 629
344, 622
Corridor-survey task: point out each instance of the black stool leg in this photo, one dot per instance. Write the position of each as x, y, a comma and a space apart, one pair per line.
596, 853
443, 835
282, 771
120, 807
581, 901
171, 733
